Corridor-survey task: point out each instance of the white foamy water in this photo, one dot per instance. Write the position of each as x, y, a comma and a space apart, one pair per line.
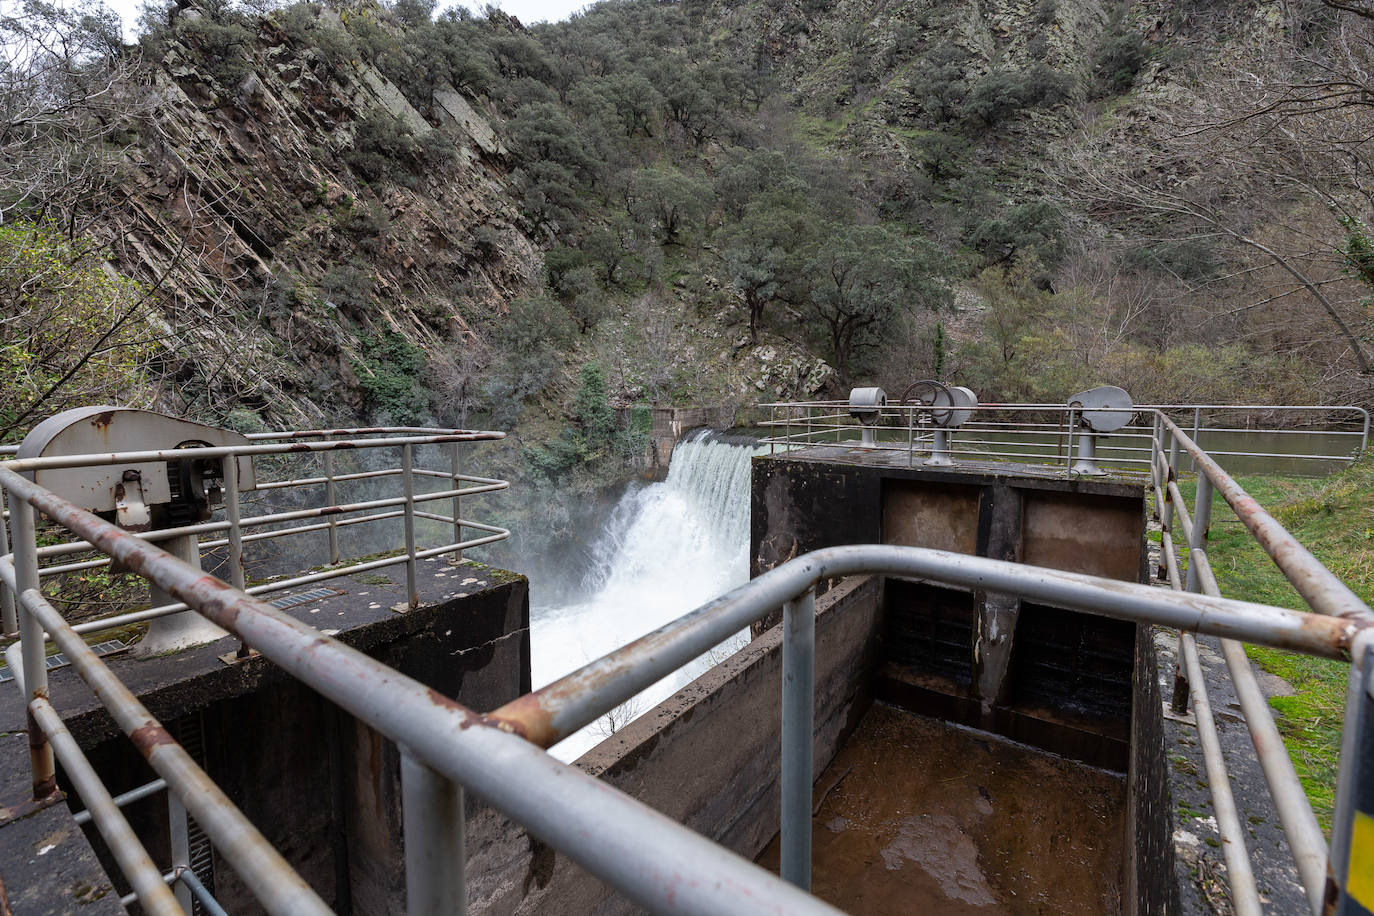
667, 549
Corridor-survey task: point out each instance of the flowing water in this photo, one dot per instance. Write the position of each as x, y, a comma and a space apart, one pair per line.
666, 549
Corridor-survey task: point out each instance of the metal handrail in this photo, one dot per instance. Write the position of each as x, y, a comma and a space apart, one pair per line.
815, 423
337, 514
448, 748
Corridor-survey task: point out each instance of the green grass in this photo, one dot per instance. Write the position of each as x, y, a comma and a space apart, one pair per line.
1333, 518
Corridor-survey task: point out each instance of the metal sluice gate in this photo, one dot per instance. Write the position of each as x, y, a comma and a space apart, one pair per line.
448, 750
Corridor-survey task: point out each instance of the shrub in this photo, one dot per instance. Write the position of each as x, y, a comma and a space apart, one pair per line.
1116, 62
388, 373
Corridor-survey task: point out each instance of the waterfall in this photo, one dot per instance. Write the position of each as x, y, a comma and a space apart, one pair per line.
666, 549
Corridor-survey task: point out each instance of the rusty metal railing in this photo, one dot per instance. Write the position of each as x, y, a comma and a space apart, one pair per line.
1322, 591
1324, 436
448, 749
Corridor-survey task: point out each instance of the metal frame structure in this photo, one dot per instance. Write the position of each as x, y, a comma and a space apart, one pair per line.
1049, 433
448, 749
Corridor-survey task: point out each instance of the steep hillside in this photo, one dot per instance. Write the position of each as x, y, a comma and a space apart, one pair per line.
357, 212
299, 213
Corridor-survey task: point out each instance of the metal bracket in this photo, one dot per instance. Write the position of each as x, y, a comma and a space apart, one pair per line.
29, 807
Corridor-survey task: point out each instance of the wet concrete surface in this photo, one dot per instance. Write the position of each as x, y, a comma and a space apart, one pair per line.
915, 815
1202, 877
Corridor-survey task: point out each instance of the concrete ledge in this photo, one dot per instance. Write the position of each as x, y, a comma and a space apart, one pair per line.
321, 787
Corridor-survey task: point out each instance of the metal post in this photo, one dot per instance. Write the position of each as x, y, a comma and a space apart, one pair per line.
408, 485
434, 841
1357, 723
910, 437
457, 500
1244, 896
231, 515
7, 613
1202, 519
180, 830
798, 730
772, 428
1155, 458
331, 499
1087, 455
1068, 458
32, 646
1169, 474
939, 449
1197, 427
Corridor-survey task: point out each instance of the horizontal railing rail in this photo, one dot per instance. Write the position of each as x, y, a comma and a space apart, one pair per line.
335, 515
1048, 433
448, 749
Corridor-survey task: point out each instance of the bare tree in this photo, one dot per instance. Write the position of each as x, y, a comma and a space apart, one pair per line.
1270, 163
69, 94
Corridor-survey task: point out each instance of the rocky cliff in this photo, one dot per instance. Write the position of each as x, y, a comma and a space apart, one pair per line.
280, 248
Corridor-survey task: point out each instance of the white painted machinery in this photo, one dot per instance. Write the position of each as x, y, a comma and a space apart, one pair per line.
1101, 410
154, 495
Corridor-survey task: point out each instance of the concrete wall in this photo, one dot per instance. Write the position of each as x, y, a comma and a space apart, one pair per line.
668, 424
1075, 684
1151, 881
707, 757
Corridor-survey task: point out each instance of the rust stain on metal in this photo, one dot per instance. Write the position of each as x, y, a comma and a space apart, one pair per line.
103, 420
148, 738
471, 718
527, 717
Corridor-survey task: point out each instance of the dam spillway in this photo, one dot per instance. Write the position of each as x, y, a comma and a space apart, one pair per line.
665, 548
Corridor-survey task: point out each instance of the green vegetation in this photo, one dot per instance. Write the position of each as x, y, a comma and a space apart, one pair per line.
1334, 518
73, 335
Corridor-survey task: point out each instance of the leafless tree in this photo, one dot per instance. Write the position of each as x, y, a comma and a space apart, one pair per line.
1269, 162
69, 94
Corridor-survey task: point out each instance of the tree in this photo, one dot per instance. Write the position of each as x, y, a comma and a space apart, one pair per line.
765, 253
667, 201
73, 333
1271, 163
860, 277
68, 98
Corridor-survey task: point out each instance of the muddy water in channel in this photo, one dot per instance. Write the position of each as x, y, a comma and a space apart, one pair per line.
919, 816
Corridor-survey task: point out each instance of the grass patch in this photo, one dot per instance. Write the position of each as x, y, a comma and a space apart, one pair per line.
1333, 518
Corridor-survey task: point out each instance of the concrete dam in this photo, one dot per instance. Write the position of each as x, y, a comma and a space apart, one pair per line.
867, 664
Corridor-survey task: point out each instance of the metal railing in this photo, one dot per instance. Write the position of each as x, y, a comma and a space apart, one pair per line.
448, 749
1049, 433
24, 573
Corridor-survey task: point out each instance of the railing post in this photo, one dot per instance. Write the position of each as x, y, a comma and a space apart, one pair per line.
1202, 519
798, 731
454, 468
180, 831
32, 647
8, 620
1156, 458
408, 485
231, 515
1197, 428
331, 499
1171, 472
436, 858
